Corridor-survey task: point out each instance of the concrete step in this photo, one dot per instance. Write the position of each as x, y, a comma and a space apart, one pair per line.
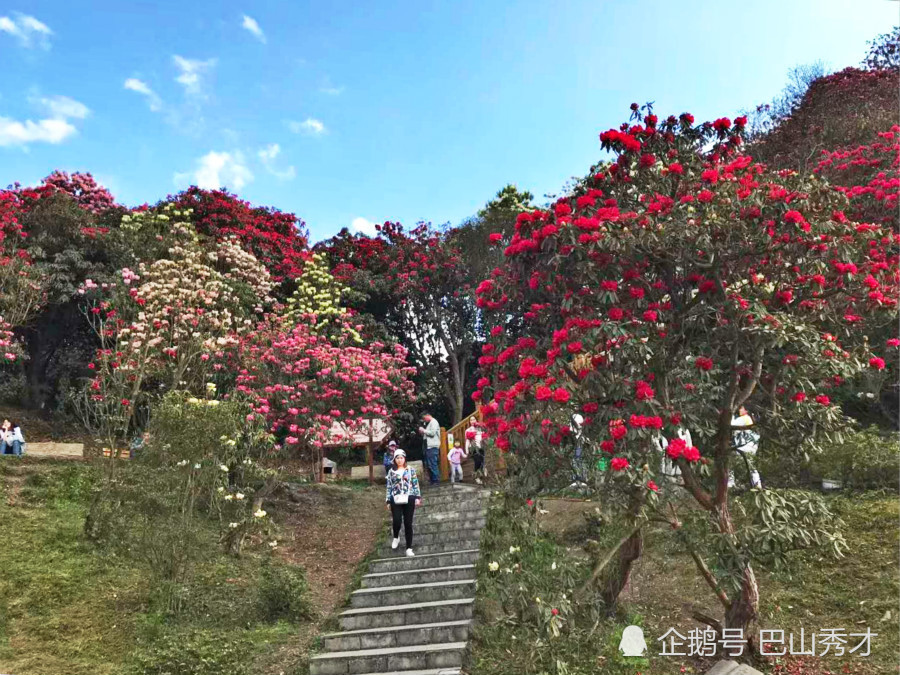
405, 615
388, 595
398, 636
425, 526
438, 515
437, 536
445, 655
453, 497
426, 549
416, 577
422, 561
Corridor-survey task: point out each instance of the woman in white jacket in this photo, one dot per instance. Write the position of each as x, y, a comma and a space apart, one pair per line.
11, 440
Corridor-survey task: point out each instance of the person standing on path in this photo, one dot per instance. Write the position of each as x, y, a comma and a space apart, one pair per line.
389, 457
475, 449
431, 433
456, 455
746, 442
401, 497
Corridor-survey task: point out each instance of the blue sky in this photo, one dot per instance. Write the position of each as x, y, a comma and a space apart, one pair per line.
360, 112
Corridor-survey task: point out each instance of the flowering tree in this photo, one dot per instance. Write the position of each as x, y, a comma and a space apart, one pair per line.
318, 293
90, 195
673, 287
21, 285
417, 286
276, 239
304, 383
168, 324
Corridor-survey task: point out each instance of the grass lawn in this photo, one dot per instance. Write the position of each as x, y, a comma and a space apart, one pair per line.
815, 592
67, 608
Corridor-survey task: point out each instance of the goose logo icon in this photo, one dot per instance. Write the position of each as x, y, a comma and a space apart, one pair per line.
633, 643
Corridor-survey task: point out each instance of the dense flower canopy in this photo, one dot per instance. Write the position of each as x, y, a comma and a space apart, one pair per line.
675, 285
277, 239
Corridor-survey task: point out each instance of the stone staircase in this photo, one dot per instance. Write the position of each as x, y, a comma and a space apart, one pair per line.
412, 616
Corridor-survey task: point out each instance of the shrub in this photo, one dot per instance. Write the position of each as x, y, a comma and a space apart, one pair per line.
283, 592
866, 460
200, 652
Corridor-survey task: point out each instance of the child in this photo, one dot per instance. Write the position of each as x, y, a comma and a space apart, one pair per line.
456, 455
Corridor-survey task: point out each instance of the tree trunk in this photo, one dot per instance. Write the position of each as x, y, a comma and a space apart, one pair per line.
618, 573
744, 607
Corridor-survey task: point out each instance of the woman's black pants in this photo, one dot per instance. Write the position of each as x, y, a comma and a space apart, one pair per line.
404, 512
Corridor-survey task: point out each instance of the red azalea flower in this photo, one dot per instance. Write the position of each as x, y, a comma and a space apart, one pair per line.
823, 399
619, 463
652, 486
703, 363
876, 362
561, 395
799, 397
495, 237
692, 454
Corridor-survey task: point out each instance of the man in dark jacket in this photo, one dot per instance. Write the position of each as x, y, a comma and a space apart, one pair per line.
389, 457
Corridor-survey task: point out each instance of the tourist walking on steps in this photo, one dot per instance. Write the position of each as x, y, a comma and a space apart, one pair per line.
402, 496
11, 440
431, 434
389, 457
456, 455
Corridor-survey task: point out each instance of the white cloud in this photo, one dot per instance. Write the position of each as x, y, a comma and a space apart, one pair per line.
363, 226
13, 132
218, 169
29, 31
192, 72
55, 128
310, 126
267, 156
250, 24
62, 107
142, 88
329, 89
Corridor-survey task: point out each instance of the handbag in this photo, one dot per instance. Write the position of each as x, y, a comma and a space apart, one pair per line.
402, 498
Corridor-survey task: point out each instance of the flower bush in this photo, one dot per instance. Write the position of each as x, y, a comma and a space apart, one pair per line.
303, 383
276, 239
670, 289
167, 325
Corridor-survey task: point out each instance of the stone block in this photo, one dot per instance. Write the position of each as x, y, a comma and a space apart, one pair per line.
732, 668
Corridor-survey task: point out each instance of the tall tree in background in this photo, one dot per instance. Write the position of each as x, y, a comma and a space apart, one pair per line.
416, 285
497, 218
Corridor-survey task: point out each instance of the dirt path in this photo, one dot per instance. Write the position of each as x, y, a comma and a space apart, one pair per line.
343, 523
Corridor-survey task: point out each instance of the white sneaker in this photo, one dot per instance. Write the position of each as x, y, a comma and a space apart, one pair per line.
409, 553
395, 543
